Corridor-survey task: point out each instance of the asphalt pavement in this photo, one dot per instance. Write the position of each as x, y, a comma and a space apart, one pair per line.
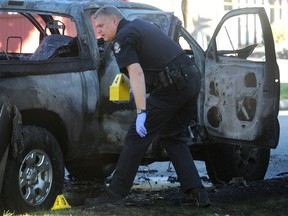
278, 165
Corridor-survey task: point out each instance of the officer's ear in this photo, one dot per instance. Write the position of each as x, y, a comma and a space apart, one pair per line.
115, 20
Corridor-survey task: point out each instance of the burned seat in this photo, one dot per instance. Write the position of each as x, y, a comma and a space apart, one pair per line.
56, 45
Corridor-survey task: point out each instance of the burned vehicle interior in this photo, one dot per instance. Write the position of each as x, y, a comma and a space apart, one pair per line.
53, 37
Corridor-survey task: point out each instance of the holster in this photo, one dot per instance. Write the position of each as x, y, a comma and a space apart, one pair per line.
177, 76
163, 80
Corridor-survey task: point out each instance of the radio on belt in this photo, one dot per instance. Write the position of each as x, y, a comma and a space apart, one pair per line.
119, 90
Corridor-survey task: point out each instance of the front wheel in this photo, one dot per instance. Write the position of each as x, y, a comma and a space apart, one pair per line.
225, 161
33, 181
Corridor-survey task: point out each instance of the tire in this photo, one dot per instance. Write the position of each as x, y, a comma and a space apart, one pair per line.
33, 182
230, 161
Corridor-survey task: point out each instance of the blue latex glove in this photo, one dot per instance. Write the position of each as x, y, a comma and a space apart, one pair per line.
140, 121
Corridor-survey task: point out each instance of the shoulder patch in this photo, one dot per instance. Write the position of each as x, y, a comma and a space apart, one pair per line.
117, 47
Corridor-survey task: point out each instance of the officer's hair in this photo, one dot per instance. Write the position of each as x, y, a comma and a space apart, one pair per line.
109, 11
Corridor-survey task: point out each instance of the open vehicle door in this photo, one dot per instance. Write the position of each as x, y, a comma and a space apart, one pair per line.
242, 81
241, 96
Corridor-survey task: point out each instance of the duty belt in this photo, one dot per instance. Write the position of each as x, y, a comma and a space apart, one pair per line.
177, 76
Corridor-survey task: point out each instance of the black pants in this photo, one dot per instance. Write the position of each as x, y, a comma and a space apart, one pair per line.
169, 111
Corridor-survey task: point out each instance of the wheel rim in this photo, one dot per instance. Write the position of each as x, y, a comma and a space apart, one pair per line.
35, 177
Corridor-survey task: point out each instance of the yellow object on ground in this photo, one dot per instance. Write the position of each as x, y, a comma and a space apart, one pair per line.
60, 203
119, 90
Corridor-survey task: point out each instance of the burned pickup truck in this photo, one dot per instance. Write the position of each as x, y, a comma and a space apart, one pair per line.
55, 75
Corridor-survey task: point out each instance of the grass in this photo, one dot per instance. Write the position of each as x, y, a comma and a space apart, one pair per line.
283, 91
258, 207
7, 213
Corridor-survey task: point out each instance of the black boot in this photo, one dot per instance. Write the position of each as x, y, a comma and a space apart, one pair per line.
107, 198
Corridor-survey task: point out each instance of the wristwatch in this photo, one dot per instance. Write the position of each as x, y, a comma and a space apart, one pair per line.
139, 111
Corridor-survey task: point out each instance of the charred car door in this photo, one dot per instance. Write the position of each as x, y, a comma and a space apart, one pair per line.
242, 81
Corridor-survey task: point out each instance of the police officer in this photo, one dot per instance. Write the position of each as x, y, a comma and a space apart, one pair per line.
157, 65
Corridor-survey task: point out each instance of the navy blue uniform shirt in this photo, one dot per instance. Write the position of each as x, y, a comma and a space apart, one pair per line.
142, 42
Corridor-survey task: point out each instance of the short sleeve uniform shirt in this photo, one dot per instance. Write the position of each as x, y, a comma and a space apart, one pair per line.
142, 42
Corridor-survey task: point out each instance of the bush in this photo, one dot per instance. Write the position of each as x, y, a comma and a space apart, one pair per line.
280, 34
283, 91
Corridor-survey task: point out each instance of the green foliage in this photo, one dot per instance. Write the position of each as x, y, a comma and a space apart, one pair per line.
280, 31
283, 91
280, 34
